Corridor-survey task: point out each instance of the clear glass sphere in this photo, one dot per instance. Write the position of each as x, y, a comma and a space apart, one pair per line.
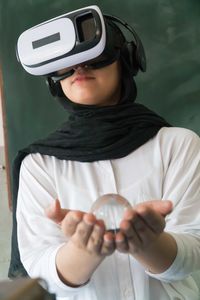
110, 208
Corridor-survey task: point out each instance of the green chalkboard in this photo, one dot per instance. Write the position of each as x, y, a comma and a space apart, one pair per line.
170, 31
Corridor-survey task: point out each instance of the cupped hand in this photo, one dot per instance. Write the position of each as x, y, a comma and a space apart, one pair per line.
83, 229
142, 226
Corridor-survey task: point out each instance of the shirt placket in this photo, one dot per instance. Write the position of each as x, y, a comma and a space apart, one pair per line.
120, 262
107, 178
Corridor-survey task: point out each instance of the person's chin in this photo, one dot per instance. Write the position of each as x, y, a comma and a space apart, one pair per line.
87, 102
87, 99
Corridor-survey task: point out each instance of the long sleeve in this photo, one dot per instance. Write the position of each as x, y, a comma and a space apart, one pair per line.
181, 185
39, 238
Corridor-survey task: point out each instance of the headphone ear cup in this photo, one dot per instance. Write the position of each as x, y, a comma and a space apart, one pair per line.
132, 57
141, 57
136, 57
54, 87
132, 51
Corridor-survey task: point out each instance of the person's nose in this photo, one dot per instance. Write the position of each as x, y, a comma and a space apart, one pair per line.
81, 68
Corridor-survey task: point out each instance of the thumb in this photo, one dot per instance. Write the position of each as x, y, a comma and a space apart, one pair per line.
55, 212
164, 207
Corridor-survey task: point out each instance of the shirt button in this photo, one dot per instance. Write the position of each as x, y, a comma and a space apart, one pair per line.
128, 293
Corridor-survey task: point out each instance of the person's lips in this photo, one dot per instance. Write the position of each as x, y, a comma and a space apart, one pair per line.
82, 78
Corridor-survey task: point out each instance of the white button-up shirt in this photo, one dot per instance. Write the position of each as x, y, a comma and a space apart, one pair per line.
166, 167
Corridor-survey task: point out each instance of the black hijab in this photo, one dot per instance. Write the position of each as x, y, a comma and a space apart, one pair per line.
91, 133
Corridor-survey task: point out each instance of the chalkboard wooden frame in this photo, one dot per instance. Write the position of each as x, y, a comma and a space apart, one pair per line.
7, 162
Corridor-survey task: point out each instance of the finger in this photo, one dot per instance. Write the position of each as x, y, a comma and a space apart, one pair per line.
126, 226
144, 232
95, 240
152, 218
129, 214
121, 242
137, 231
164, 207
70, 222
84, 230
55, 212
133, 238
108, 246
101, 223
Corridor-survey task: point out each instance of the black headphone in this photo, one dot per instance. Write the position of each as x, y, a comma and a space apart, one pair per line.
135, 49
132, 52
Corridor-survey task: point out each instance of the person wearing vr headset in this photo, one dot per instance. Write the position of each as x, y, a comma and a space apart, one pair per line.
109, 144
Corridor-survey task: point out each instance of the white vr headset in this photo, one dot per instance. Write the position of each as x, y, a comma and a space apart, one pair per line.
62, 42
84, 36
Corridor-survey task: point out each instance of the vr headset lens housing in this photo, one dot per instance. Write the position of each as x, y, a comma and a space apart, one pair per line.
100, 62
63, 42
